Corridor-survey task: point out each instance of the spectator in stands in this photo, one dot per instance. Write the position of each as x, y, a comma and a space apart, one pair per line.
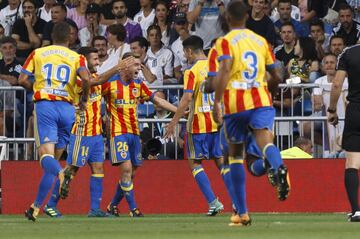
74, 43
28, 31
284, 8
295, 11
118, 46
6, 109
10, 14
9, 71
285, 52
139, 46
101, 44
145, 17
45, 11
321, 100
206, 15
58, 14
2, 31
162, 19
337, 45
321, 39
260, 23
159, 58
157, 130
182, 28
347, 28
77, 14
306, 64
133, 29
183, 5
310, 10
133, 7
93, 27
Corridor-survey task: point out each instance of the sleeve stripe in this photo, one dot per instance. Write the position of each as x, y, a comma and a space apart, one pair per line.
224, 57
188, 91
26, 72
82, 68
210, 74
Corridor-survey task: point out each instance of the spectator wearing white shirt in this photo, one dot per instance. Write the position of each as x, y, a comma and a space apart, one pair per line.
139, 46
118, 46
146, 15
93, 28
9, 14
159, 58
45, 11
321, 100
182, 28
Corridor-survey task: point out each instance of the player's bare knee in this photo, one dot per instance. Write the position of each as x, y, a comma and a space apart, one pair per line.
48, 148
352, 160
97, 168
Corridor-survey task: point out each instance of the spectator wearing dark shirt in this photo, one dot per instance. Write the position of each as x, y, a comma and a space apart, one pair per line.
106, 5
347, 27
28, 31
58, 14
337, 45
285, 52
260, 23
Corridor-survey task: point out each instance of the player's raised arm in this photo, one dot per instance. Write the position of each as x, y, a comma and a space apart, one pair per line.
164, 104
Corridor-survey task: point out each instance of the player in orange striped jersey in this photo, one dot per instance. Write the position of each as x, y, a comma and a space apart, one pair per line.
202, 133
242, 88
122, 94
54, 69
86, 141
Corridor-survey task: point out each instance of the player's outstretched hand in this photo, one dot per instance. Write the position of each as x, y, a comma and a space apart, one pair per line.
217, 113
333, 118
124, 65
169, 130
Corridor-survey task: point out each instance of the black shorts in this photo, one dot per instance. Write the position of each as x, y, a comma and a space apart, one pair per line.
351, 135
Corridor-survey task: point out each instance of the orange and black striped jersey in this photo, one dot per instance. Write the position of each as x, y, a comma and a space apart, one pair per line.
212, 62
251, 55
88, 122
200, 118
122, 99
54, 69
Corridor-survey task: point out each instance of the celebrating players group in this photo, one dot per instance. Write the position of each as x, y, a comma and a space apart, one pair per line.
229, 99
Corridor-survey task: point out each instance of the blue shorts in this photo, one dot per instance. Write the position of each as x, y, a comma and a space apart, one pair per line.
251, 146
53, 121
237, 125
203, 146
84, 149
126, 147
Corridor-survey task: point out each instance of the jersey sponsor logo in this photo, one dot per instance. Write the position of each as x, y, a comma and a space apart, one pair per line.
120, 102
204, 109
139, 157
57, 92
95, 97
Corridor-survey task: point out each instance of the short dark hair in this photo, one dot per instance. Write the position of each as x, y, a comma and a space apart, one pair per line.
317, 22
115, 1
129, 54
118, 30
338, 37
302, 141
237, 10
32, 2
60, 32
287, 24
153, 27
96, 38
86, 50
194, 43
11, 40
142, 42
61, 5
284, 1
345, 6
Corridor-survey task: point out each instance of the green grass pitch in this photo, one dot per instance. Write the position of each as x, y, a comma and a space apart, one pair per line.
264, 226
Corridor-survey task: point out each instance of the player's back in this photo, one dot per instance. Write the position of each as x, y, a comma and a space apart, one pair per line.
251, 55
55, 70
200, 117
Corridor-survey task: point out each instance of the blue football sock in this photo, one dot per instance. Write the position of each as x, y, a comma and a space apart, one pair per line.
44, 188
237, 172
50, 164
54, 198
225, 174
258, 167
128, 189
204, 183
119, 195
96, 189
272, 154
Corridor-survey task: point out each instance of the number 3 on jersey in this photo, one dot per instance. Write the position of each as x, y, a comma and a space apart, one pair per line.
250, 59
59, 73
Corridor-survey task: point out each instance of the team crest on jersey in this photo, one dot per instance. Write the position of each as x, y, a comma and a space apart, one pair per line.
135, 92
123, 154
83, 160
139, 157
